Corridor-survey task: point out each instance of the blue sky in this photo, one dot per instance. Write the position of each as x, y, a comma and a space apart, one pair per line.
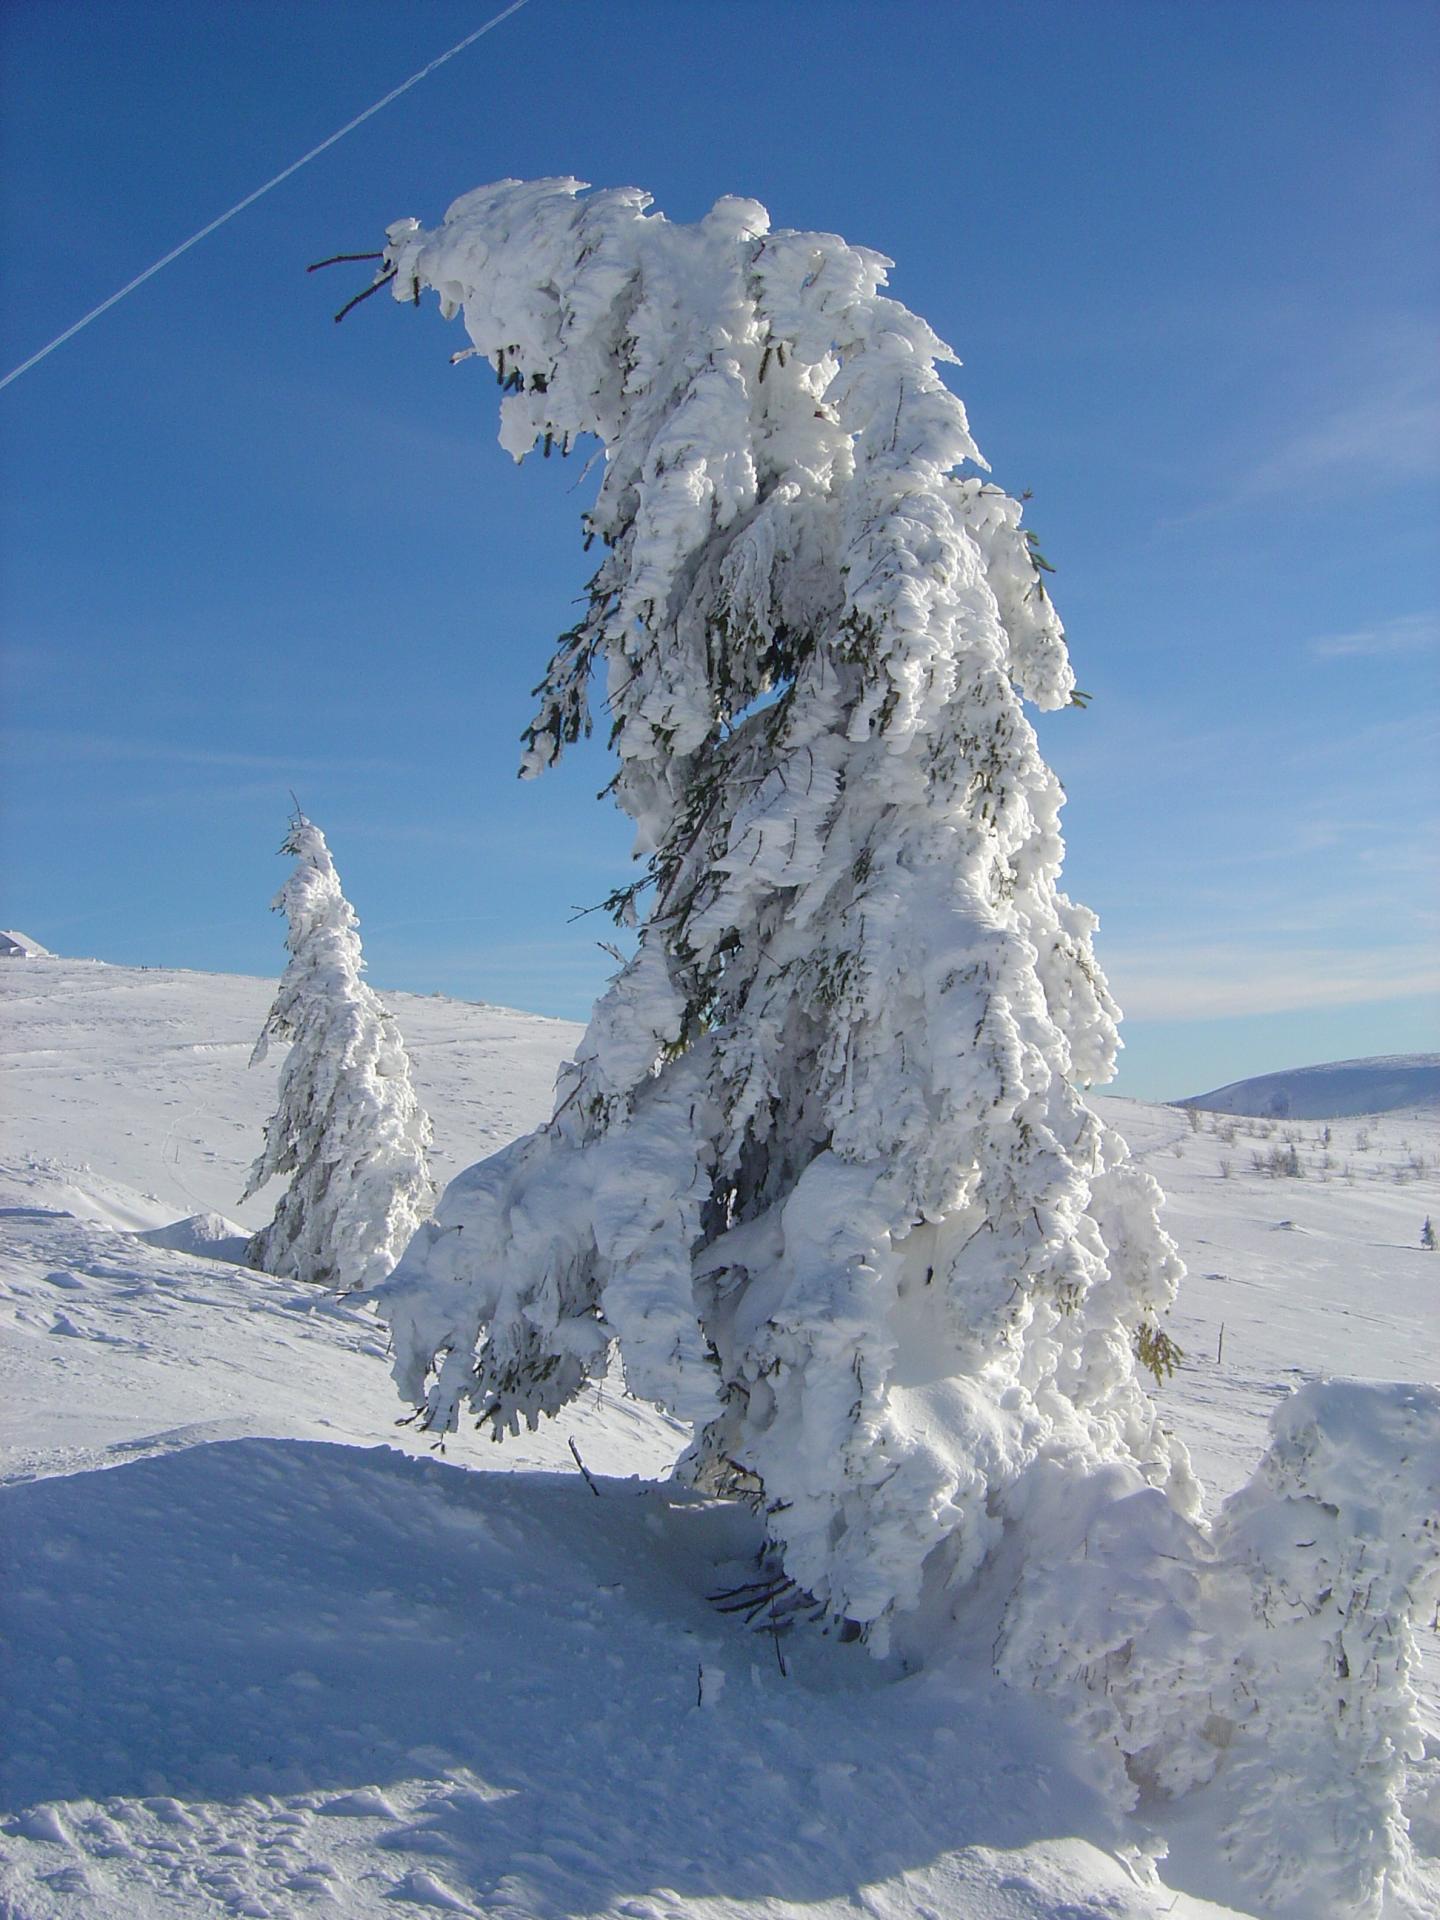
1188, 254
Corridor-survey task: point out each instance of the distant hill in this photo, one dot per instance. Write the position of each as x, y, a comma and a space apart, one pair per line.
1382, 1085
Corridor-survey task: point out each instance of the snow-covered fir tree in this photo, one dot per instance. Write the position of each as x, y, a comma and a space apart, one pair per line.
348, 1129
823, 1167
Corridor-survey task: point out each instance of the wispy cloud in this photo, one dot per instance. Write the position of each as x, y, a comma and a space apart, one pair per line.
1231, 978
128, 799
38, 746
1384, 427
1392, 432
1406, 633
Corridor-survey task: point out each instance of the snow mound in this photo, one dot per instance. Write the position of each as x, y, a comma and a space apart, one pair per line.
209, 1235
19, 946
1385, 1084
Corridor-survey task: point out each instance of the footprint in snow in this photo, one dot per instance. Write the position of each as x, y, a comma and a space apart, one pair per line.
418, 1837
40, 1823
63, 1326
67, 1880
105, 1840
426, 1891
364, 1803
315, 1877
169, 1812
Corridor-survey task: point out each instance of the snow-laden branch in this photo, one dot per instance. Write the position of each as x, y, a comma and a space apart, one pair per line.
1327, 1560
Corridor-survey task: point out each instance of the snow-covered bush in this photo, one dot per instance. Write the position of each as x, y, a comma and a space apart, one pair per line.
822, 1166
1107, 1618
1324, 1561
1273, 1654
348, 1129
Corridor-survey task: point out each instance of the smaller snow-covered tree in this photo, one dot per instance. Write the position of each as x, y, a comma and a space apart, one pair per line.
348, 1128
1325, 1561
1271, 1656
1427, 1236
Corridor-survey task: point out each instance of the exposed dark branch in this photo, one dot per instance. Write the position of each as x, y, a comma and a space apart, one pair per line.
336, 258
751, 1601
589, 1477
748, 1587
374, 287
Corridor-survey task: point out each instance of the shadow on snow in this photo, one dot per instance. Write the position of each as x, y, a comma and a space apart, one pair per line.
281, 1617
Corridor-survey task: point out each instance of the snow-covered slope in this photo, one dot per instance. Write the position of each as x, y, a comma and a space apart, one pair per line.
19, 946
1336, 1090
269, 1655
141, 1073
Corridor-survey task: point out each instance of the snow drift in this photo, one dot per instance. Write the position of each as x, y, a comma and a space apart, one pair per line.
257, 1660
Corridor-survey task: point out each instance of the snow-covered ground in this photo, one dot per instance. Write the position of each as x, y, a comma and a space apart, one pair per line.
268, 1654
